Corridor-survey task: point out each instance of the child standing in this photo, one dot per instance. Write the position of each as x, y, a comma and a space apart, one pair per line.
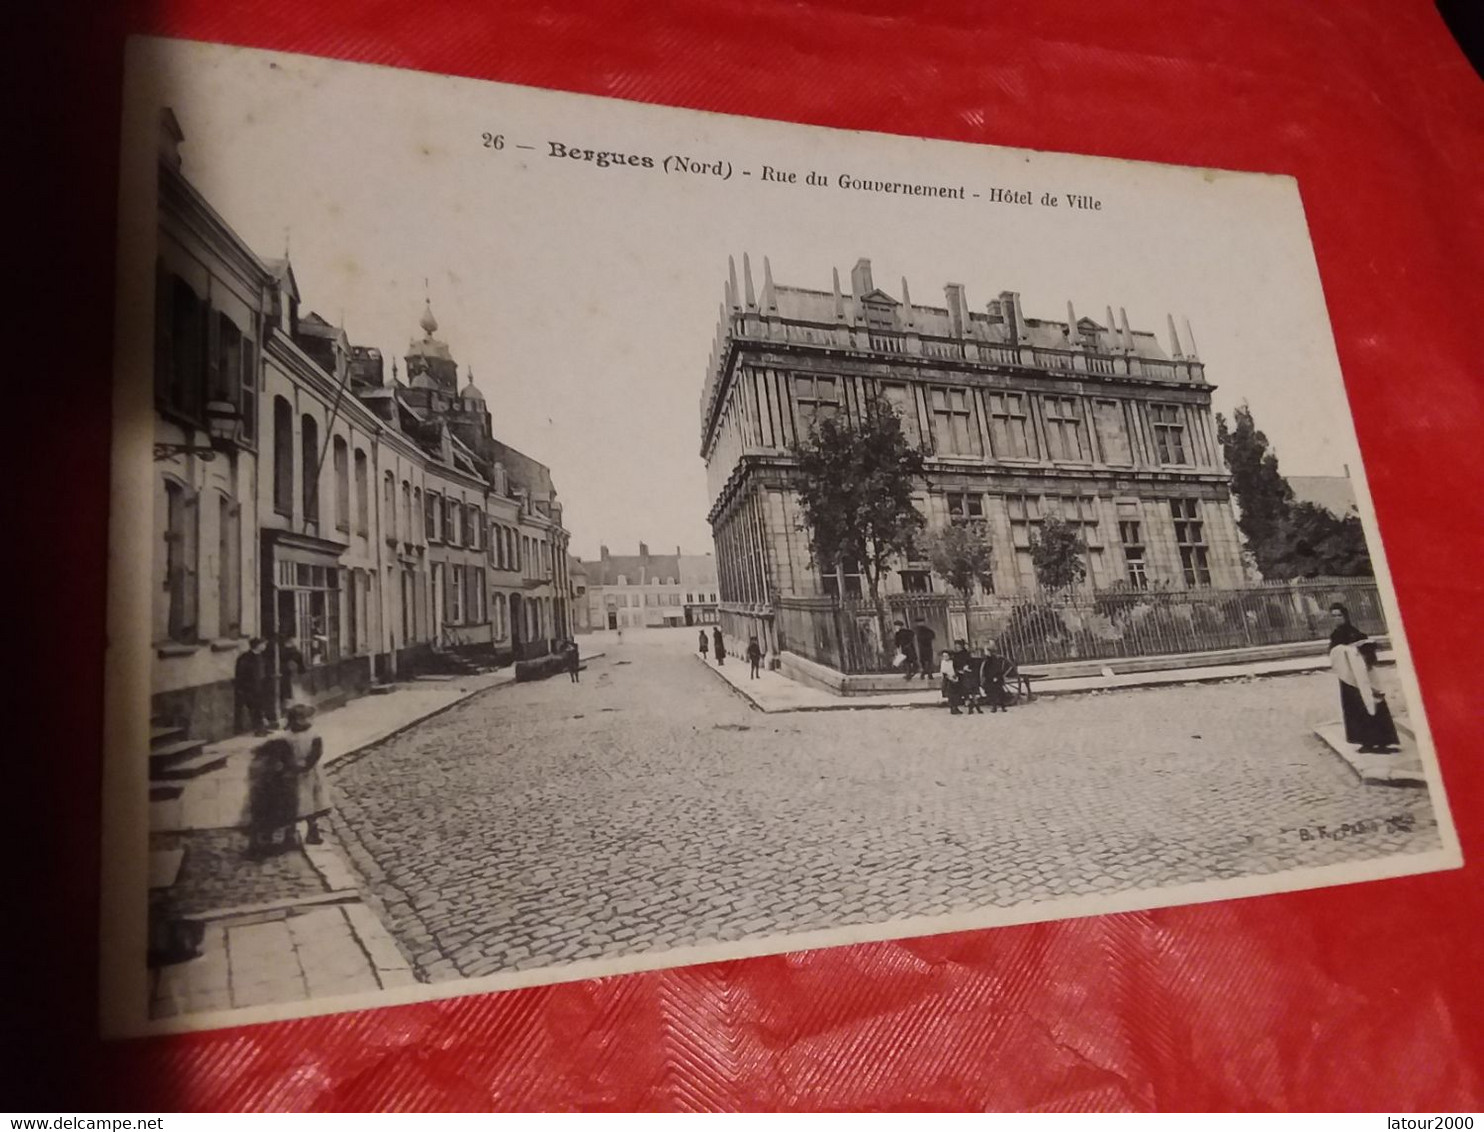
285, 787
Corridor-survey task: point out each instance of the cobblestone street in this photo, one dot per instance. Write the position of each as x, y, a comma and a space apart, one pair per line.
649, 807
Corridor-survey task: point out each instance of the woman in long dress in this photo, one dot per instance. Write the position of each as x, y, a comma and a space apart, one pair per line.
1368, 720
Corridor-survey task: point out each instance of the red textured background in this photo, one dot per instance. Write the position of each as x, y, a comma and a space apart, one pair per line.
1365, 997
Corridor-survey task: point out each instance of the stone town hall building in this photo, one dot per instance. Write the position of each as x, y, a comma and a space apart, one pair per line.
1021, 418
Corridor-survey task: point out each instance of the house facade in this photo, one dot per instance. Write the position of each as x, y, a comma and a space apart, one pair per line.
304, 496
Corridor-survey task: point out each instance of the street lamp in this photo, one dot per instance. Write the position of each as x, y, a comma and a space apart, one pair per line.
222, 420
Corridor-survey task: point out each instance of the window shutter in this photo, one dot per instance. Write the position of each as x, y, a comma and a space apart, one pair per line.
163, 357
249, 399
190, 549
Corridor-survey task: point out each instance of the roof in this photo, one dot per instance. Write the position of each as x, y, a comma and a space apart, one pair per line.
429, 347
1336, 494
804, 305
635, 570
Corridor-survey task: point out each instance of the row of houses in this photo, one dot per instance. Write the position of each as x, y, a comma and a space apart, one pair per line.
304, 494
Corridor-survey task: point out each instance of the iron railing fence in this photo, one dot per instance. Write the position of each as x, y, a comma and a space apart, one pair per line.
853, 637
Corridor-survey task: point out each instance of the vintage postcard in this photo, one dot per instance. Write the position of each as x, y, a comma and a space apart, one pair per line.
555, 537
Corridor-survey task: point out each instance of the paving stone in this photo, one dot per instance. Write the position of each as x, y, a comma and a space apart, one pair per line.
505, 831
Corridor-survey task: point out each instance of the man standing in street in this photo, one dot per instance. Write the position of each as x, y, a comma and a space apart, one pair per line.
574, 661
251, 684
907, 646
718, 647
754, 657
925, 637
704, 645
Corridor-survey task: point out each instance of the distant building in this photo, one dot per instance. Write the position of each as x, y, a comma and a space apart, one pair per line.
651, 590
1336, 494
577, 582
1022, 418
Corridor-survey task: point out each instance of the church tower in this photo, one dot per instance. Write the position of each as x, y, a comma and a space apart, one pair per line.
429, 363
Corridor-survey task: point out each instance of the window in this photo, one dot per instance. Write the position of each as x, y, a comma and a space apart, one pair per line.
1010, 430
181, 514
352, 618
1190, 537
674, 599
690, 599
389, 506
1081, 511
363, 495
1025, 518
1131, 535
232, 379
1063, 429
456, 595
965, 508
432, 516
283, 458
184, 378
899, 397
476, 595
473, 526
815, 399
1169, 434
916, 582
341, 467
409, 513
315, 596
229, 567
953, 423
310, 460
453, 514
842, 582
1108, 416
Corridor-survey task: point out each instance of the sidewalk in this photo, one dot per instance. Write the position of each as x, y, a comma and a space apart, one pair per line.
773, 692
291, 927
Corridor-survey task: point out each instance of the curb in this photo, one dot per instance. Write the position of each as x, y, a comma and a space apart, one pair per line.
1133, 681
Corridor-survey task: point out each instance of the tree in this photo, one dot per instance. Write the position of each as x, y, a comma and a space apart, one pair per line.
854, 482
1056, 553
961, 555
1286, 539
1264, 497
1312, 541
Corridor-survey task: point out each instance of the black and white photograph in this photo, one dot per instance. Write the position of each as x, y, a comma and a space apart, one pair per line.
556, 537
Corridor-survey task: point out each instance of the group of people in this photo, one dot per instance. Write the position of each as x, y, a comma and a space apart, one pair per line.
970, 678
718, 647
262, 686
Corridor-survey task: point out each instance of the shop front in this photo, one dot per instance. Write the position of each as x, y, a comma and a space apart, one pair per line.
307, 602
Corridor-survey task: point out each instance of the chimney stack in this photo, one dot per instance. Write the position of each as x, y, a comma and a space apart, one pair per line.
747, 282
1014, 323
860, 279
958, 313
603, 553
